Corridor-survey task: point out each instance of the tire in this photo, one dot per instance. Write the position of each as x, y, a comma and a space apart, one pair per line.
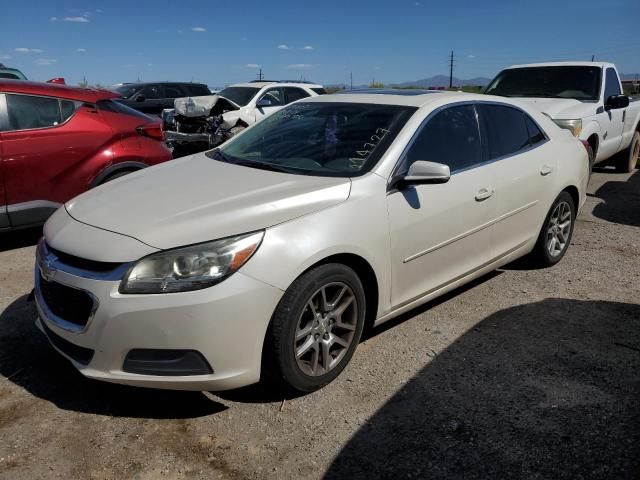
298, 341
592, 159
628, 159
544, 253
113, 176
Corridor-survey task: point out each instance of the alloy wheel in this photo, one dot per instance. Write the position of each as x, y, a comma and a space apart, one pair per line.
325, 328
559, 229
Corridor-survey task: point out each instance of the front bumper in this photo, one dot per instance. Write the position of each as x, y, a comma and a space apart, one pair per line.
185, 138
225, 323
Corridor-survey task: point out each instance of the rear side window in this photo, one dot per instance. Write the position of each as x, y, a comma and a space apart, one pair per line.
535, 134
9, 75
152, 92
29, 111
117, 107
450, 137
506, 130
320, 91
293, 94
68, 108
197, 90
274, 96
173, 91
611, 84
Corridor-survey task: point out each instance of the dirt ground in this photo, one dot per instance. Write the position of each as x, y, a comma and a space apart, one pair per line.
523, 374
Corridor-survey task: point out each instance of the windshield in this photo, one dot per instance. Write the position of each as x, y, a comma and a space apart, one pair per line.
126, 90
239, 95
580, 83
319, 138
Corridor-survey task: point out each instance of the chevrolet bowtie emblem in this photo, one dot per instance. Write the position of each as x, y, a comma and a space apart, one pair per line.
47, 270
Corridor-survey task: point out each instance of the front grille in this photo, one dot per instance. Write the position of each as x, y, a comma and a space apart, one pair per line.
83, 263
79, 354
69, 304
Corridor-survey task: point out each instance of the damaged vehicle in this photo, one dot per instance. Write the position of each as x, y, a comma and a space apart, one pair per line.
204, 122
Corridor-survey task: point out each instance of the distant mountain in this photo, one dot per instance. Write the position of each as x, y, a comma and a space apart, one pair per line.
630, 76
443, 81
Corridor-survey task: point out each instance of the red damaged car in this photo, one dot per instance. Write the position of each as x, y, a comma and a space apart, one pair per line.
57, 141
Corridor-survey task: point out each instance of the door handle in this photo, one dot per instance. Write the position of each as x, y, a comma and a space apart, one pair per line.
546, 170
483, 194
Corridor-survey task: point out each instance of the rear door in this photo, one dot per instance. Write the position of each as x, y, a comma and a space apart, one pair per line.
4, 217
45, 148
151, 99
525, 169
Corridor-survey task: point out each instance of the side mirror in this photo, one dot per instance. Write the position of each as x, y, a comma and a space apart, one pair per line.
616, 101
140, 98
263, 102
421, 172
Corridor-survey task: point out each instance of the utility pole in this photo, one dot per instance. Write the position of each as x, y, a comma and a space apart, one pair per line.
260, 75
593, 57
351, 79
451, 70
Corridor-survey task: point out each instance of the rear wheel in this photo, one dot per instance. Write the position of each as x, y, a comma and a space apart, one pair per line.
555, 236
316, 327
629, 158
113, 176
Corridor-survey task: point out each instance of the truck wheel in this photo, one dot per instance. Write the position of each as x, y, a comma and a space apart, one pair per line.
629, 159
315, 328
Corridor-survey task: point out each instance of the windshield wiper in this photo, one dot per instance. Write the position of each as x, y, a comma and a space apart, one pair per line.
264, 166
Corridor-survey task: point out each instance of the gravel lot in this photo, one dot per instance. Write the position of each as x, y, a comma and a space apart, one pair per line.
523, 374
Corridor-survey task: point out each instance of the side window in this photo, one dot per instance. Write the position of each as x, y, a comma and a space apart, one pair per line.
173, 91
274, 96
294, 94
506, 130
450, 137
197, 90
152, 92
28, 111
611, 84
68, 108
320, 91
535, 134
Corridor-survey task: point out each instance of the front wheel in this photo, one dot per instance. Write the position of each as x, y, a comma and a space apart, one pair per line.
316, 327
555, 236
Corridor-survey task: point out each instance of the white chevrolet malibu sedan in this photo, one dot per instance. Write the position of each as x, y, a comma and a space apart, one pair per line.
268, 256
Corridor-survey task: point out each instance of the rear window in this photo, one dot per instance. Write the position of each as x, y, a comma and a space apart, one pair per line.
9, 75
320, 91
116, 107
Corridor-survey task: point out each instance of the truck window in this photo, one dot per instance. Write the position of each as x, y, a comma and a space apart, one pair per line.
611, 84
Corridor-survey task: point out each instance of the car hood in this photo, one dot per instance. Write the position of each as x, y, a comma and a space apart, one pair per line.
199, 106
197, 199
562, 108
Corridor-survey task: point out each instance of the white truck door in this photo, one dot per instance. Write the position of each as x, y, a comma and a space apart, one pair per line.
611, 121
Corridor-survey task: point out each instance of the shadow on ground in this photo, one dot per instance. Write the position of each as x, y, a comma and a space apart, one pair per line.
19, 239
27, 359
621, 201
543, 390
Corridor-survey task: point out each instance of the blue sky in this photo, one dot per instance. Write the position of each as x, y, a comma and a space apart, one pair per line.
220, 42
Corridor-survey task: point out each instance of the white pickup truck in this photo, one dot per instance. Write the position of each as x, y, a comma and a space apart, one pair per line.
585, 98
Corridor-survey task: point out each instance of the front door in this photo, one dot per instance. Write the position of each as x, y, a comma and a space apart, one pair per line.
272, 99
611, 121
441, 232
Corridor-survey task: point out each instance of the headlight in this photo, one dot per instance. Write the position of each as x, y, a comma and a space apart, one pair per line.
190, 268
574, 126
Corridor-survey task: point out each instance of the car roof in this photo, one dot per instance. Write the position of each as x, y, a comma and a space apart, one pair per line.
403, 98
284, 84
142, 84
564, 64
55, 90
